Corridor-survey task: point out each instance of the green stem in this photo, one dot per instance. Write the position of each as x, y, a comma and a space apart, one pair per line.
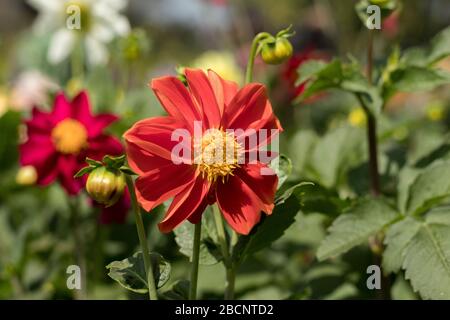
195, 261
229, 284
375, 242
76, 61
227, 254
221, 233
253, 53
143, 241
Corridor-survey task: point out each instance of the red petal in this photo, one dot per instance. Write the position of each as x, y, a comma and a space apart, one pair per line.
154, 136
81, 109
100, 122
264, 186
204, 96
197, 214
240, 206
176, 100
185, 204
61, 108
118, 212
239, 102
104, 145
38, 151
224, 90
142, 161
68, 165
39, 123
162, 183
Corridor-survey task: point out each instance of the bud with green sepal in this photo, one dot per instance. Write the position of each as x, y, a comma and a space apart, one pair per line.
277, 49
106, 179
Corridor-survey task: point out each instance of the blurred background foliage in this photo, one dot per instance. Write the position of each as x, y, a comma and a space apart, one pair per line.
324, 137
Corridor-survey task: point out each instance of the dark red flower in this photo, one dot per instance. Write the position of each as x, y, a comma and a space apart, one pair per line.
194, 182
117, 213
59, 142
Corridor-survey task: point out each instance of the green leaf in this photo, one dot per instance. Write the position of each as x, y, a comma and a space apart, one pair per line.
179, 290
439, 49
282, 167
127, 170
114, 162
337, 75
421, 246
355, 226
440, 46
93, 163
335, 152
397, 239
427, 261
209, 251
431, 186
271, 227
406, 177
297, 190
300, 147
317, 199
83, 171
130, 272
309, 69
414, 78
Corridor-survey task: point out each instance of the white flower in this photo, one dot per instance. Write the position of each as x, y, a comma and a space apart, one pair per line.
92, 22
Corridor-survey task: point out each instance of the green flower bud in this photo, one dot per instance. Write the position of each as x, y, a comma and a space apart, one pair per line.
105, 185
277, 52
380, 3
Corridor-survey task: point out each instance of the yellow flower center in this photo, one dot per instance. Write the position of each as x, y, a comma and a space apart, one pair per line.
216, 154
69, 136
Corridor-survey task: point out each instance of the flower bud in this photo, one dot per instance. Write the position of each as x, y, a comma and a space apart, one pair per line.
105, 185
380, 3
26, 176
277, 52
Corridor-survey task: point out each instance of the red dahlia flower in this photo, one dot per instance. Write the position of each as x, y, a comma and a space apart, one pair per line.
194, 182
59, 142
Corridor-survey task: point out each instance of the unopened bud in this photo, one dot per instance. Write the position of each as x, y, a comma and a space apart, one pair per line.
277, 52
105, 185
26, 176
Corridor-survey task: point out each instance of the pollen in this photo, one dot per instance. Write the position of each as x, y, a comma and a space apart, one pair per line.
217, 154
69, 136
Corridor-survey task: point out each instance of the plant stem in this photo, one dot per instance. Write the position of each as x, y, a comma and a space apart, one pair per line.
227, 254
229, 284
142, 240
375, 242
372, 127
76, 61
195, 260
373, 154
79, 248
221, 233
253, 52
